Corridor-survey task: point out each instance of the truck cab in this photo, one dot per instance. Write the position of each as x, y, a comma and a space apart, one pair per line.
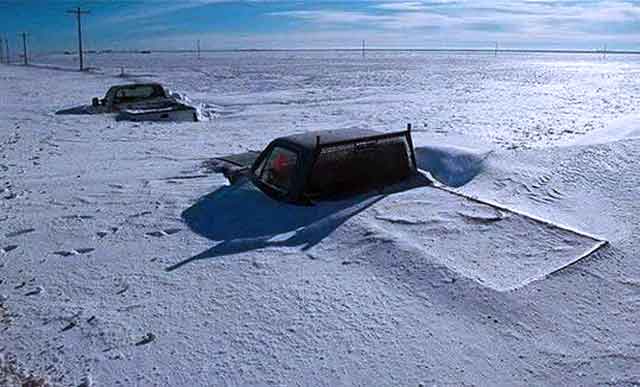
312, 166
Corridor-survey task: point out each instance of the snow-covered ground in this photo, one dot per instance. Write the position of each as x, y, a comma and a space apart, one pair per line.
124, 261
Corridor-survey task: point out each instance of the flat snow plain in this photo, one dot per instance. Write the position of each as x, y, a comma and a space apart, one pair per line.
125, 261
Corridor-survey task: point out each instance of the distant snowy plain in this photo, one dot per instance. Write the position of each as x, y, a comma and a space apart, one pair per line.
125, 261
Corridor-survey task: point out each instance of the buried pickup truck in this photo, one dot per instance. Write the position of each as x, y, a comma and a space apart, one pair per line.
139, 102
312, 166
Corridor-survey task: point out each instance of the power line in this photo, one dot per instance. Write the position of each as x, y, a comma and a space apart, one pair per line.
78, 12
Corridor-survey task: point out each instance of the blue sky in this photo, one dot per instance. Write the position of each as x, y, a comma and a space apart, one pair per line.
227, 24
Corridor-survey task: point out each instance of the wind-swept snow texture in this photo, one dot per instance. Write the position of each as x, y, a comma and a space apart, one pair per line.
125, 260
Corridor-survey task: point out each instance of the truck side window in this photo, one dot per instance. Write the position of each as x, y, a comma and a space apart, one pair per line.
277, 170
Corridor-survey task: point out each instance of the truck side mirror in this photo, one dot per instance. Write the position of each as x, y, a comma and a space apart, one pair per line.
95, 102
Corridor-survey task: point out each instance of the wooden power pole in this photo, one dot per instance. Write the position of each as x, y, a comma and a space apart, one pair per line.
6, 46
24, 47
79, 12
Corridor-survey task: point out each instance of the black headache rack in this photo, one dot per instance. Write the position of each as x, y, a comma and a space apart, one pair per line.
360, 164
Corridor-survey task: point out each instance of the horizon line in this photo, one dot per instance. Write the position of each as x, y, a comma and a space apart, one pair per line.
489, 50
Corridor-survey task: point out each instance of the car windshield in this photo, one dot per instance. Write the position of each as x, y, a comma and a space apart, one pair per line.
277, 169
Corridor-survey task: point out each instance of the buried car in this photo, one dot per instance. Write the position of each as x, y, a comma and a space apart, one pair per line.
139, 102
311, 166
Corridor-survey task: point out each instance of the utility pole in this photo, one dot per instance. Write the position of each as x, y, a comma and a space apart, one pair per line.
604, 52
496, 52
198, 46
6, 45
2, 50
24, 47
78, 12
363, 49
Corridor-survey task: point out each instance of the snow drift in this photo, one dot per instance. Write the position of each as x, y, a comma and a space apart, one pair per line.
627, 127
452, 166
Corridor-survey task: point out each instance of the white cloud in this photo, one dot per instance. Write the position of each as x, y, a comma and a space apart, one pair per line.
406, 6
163, 7
333, 17
541, 17
420, 24
403, 6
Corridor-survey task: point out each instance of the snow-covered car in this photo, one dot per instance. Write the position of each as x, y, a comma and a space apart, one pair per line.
122, 97
139, 102
303, 168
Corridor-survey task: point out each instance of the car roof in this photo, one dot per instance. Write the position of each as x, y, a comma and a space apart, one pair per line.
153, 84
309, 140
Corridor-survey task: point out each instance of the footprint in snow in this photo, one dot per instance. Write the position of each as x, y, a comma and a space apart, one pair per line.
102, 234
87, 381
19, 232
125, 287
63, 253
35, 291
139, 214
149, 337
78, 217
68, 326
66, 253
83, 200
6, 249
163, 233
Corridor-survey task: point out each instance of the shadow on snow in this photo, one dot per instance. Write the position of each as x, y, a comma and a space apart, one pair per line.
241, 218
